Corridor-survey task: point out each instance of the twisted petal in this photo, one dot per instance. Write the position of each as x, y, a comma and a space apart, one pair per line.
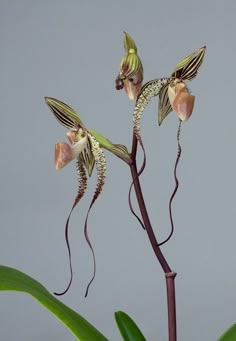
101, 176
149, 90
187, 69
100, 165
64, 114
82, 186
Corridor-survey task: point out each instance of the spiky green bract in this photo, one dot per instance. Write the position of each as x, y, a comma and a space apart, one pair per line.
14, 280
116, 149
129, 43
128, 328
64, 114
229, 334
187, 69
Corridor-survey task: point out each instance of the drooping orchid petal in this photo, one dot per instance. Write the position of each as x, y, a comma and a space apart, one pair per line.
181, 101
101, 176
149, 90
82, 186
87, 150
64, 153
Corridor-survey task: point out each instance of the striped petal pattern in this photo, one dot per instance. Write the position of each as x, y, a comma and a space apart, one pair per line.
64, 114
88, 152
187, 69
129, 43
131, 70
164, 106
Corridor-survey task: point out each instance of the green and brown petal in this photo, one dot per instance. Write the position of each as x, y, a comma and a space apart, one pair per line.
187, 69
64, 114
149, 90
164, 106
131, 70
129, 43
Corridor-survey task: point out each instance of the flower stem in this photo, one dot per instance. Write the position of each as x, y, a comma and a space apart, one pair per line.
169, 274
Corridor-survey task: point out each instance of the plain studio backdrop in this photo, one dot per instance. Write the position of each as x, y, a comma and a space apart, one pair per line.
71, 50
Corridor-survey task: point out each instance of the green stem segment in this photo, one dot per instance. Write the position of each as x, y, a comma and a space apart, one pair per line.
170, 276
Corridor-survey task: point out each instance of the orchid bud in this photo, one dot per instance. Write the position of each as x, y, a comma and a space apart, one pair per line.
180, 99
64, 153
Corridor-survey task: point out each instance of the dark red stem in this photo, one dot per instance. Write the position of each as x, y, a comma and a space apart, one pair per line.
170, 276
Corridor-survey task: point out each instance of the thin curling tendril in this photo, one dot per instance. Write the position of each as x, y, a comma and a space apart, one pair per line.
176, 185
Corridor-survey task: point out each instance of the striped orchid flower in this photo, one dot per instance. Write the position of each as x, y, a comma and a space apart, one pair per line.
86, 147
186, 70
131, 70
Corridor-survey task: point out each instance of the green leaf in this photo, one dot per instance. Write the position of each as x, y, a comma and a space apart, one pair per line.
12, 279
117, 149
64, 114
128, 328
229, 335
187, 69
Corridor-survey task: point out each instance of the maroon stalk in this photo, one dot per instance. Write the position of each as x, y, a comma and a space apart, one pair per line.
169, 274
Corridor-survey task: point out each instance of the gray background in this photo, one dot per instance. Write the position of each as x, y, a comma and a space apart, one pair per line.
71, 50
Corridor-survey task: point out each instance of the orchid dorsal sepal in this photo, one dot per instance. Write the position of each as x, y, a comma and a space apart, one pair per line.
129, 44
64, 113
181, 101
187, 69
64, 153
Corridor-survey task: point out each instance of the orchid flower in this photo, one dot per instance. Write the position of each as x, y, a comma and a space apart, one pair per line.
131, 70
186, 70
87, 151
86, 147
